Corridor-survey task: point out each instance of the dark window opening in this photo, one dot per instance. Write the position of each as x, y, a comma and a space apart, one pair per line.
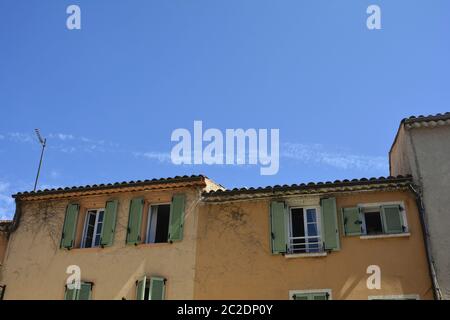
298, 230
373, 223
158, 230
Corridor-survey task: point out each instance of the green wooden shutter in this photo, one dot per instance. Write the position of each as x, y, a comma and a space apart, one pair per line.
392, 219
351, 219
70, 294
329, 224
2, 291
157, 288
109, 223
70, 226
140, 288
134, 221
278, 227
85, 292
177, 217
319, 296
300, 296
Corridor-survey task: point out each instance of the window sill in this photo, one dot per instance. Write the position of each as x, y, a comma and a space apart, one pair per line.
305, 255
97, 249
380, 236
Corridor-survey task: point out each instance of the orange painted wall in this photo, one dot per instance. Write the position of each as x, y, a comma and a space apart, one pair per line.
234, 259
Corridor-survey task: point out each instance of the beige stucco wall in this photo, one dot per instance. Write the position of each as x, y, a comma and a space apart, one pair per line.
234, 259
3, 244
400, 160
425, 153
35, 266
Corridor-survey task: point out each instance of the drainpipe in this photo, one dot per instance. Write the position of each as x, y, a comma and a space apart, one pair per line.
436, 289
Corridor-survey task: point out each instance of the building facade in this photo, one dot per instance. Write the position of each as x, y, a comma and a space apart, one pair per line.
4, 226
315, 241
133, 240
422, 148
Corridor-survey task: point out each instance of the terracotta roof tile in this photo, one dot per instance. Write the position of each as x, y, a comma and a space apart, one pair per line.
311, 186
193, 178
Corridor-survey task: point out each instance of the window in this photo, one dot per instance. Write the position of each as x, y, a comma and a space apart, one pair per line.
93, 228
304, 230
318, 294
165, 221
375, 219
373, 222
158, 223
84, 293
150, 289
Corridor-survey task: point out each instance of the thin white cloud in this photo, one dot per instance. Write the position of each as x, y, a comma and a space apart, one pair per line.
19, 137
159, 156
318, 154
61, 136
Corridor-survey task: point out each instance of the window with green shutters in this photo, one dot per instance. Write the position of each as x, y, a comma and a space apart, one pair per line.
311, 295
176, 222
109, 223
372, 220
134, 221
84, 293
151, 289
306, 229
69, 227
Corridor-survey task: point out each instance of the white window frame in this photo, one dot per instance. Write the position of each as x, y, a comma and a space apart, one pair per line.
292, 292
395, 297
86, 219
305, 219
377, 205
149, 220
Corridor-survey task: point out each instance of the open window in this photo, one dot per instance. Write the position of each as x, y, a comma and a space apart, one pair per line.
83, 293
373, 220
92, 228
153, 288
304, 230
158, 223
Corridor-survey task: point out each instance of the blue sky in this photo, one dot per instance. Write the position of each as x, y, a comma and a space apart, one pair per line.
108, 96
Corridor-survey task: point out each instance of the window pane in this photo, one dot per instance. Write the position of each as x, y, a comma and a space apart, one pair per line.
311, 215
298, 231
312, 229
89, 229
298, 224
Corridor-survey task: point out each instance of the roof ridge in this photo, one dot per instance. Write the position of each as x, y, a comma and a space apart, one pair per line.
431, 117
371, 180
113, 185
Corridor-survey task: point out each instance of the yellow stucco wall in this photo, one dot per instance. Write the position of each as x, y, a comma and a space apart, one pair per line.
234, 259
35, 266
